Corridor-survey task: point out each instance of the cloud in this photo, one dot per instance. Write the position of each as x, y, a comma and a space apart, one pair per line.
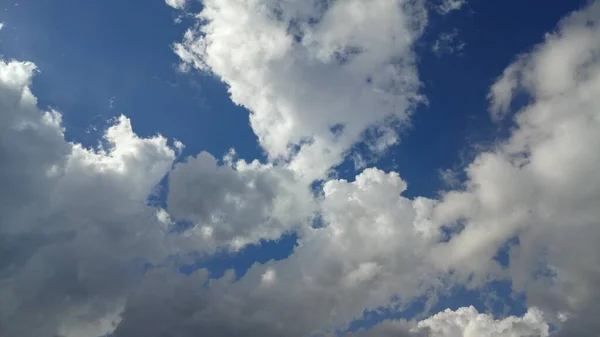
84, 253
503, 90
447, 6
540, 185
77, 228
177, 4
464, 322
74, 220
449, 177
315, 75
373, 247
237, 203
448, 43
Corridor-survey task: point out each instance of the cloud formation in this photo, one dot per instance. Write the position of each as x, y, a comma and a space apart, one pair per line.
539, 186
464, 322
83, 252
447, 6
177, 4
316, 75
74, 220
237, 203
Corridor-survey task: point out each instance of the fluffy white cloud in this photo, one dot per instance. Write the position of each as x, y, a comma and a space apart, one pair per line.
237, 202
467, 322
316, 75
464, 322
380, 249
540, 185
76, 226
177, 4
373, 247
77, 229
74, 220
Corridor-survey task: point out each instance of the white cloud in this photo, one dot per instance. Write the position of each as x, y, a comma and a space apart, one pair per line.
540, 185
447, 6
77, 228
374, 246
237, 203
467, 322
73, 219
177, 4
502, 91
464, 322
315, 75
448, 43
449, 177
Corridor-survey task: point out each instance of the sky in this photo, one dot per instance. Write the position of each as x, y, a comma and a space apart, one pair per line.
299, 168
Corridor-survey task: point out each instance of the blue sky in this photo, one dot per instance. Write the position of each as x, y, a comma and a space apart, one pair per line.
97, 60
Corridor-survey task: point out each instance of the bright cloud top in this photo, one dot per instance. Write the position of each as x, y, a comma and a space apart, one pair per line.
315, 75
177, 4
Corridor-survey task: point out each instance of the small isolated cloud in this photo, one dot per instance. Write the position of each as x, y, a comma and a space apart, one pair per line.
1, 25
449, 177
448, 6
448, 43
177, 4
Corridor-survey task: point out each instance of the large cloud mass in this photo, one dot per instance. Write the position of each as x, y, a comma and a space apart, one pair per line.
316, 75
541, 185
83, 252
74, 220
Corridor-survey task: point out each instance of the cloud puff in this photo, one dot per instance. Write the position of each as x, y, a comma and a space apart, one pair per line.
373, 246
77, 230
177, 4
237, 203
74, 220
464, 322
540, 186
315, 75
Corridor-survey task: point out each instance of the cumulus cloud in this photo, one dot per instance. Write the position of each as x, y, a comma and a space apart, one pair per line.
77, 229
540, 186
464, 322
373, 247
316, 76
177, 4
237, 203
83, 252
74, 220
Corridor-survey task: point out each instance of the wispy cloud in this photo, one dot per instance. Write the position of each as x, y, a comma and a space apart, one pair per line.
448, 43
448, 6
